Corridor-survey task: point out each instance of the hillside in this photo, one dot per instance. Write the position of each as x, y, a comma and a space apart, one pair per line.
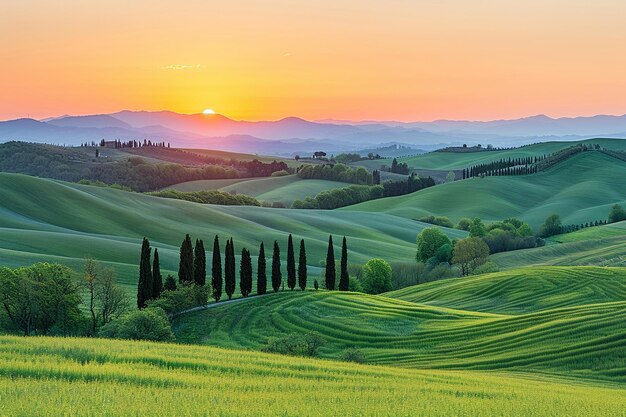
566, 332
51, 376
580, 190
109, 224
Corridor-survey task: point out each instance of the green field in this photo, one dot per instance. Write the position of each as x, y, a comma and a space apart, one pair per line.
201, 185
536, 322
55, 221
212, 153
591, 233
580, 190
64, 376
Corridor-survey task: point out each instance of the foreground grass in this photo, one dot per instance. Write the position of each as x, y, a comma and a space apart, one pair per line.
56, 376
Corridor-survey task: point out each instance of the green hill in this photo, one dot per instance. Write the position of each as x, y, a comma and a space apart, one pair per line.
67, 376
562, 331
580, 190
50, 220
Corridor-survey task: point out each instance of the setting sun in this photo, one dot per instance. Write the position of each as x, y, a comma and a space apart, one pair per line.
208, 111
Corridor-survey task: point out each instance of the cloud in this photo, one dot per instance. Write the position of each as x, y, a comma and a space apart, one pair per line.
181, 67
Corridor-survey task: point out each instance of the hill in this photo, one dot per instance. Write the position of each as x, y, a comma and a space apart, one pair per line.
60, 376
565, 334
581, 189
109, 225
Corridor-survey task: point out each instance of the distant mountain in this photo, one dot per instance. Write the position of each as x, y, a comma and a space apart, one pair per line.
97, 121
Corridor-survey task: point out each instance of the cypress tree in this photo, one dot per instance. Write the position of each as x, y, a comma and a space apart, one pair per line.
230, 281
157, 279
185, 265
199, 263
170, 283
302, 267
276, 274
216, 270
344, 279
291, 264
330, 265
261, 276
245, 273
144, 286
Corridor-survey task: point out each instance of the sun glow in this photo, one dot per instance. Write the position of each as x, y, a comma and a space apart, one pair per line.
208, 111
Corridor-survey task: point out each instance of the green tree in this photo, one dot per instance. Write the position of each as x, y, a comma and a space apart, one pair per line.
216, 270
344, 278
261, 275
170, 283
376, 276
617, 214
302, 269
185, 265
157, 279
229, 269
470, 253
552, 226
147, 324
330, 273
291, 264
199, 263
450, 177
144, 286
464, 224
277, 276
429, 241
245, 273
477, 228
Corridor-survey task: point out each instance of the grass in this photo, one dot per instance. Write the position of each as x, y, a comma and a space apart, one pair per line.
243, 156
201, 185
580, 190
70, 376
51, 220
560, 330
591, 233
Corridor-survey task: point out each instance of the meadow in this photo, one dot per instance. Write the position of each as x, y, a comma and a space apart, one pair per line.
61, 376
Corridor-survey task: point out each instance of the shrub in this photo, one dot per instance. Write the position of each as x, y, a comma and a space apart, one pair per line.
377, 276
353, 355
280, 173
617, 214
355, 285
429, 241
464, 224
187, 296
295, 344
146, 324
439, 221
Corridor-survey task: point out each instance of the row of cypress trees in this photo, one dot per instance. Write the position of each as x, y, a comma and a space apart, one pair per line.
192, 269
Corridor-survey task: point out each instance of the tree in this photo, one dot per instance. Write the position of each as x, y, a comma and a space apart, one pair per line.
617, 214
276, 274
477, 228
144, 286
450, 177
552, 226
199, 263
470, 253
229, 269
106, 299
89, 281
330, 273
376, 276
245, 273
429, 241
170, 283
344, 278
302, 272
157, 279
464, 224
261, 276
148, 324
216, 270
185, 265
291, 264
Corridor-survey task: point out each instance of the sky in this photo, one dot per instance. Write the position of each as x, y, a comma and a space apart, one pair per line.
353, 59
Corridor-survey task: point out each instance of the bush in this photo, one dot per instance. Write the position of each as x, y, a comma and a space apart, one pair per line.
377, 276
147, 324
280, 173
185, 297
353, 355
209, 197
429, 241
439, 221
295, 344
464, 224
355, 285
617, 214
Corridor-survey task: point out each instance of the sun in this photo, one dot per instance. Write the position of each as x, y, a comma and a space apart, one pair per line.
208, 111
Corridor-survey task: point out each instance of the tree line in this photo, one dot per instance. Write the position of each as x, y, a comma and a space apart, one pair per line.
192, 270
336, 172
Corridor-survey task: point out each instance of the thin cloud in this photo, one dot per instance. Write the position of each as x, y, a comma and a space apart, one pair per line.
179, 67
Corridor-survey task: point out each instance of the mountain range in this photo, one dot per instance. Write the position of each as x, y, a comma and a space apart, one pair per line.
295, 135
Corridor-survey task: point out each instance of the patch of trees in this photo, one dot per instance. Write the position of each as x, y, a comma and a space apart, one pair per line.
437, 220
399, 168
510, 166
336, 172
209, 197
554, 226
412, 184
340, 197
562, 155
507, 235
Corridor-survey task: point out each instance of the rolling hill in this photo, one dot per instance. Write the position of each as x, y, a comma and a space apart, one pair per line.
581, 189
51, 376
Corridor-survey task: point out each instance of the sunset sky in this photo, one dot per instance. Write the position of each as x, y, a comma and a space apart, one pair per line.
256, 59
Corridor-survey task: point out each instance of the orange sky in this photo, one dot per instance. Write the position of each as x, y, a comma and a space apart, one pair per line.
393, 59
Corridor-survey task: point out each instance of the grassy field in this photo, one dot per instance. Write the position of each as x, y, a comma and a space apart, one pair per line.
201, 185
57, 376
591, 233
51, 220
580, 190
561, 331
243, 156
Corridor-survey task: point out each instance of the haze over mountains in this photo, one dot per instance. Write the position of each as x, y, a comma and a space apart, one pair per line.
295, 135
